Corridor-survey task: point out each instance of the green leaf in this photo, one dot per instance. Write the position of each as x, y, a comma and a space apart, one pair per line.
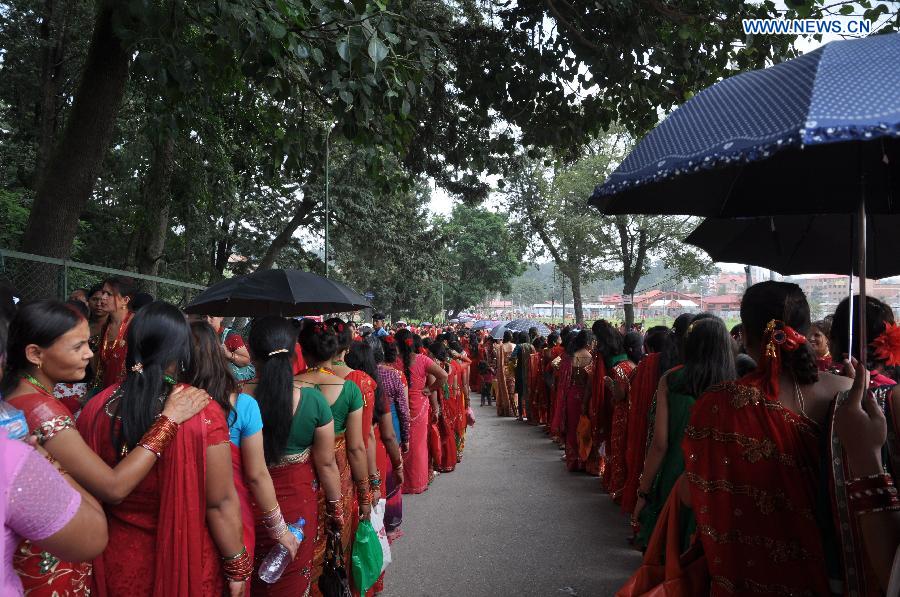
347, 97
343, 50
847, 9
404, 108
318, 56
276, 29
377, 50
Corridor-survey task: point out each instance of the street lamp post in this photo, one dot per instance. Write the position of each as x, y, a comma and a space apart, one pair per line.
327, 190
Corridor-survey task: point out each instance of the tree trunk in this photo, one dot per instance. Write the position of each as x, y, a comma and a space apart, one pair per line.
575, 279
75, 163
152, 226
302, 215
628, 291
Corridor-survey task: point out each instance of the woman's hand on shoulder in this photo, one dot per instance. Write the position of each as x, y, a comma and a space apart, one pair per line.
184, 402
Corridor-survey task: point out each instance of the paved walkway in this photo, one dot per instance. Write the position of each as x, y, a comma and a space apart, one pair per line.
510, 521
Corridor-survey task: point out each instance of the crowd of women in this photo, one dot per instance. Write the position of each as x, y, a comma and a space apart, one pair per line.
167, 455
751, 462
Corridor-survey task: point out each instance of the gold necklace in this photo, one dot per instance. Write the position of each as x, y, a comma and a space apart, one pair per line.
799, 394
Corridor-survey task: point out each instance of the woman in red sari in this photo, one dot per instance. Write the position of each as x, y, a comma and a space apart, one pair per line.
48, 344
620, 371
537, 389
753, 455
473, 349
322, 346
423, 408
556, 412
298, 441
110, 362
576, 380
179, 531
446, 463
661, 356
863, 451
385, 460
209, 371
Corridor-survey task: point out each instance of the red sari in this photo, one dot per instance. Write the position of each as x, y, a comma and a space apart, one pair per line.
367, 386
111, 361
446, 463
643, 388
621, 371
42, 574
597, 412
296, 487
159, 543
474, 353
752, 468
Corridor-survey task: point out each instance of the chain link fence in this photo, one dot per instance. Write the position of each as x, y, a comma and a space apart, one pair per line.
37, 277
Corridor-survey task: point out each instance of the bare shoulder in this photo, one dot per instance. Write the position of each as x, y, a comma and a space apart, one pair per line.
830, 384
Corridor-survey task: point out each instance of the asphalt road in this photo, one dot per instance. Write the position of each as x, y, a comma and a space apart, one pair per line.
510, 521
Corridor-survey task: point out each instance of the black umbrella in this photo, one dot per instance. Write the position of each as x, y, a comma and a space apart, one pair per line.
282, 292
819, 134
523, 325
802, 244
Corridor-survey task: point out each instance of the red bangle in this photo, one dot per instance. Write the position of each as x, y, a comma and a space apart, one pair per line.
160, 435
875, 493
238, 567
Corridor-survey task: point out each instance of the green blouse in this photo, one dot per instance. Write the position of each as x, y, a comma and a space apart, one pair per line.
349, 400
312, 412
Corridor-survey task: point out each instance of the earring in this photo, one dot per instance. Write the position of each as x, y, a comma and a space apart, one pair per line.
39, 365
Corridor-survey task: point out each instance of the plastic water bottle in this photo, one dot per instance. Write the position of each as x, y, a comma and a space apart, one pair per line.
12, 421
279, 557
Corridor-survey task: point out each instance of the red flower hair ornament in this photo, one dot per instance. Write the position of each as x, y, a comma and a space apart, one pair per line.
389, 339
409, 342
887, 345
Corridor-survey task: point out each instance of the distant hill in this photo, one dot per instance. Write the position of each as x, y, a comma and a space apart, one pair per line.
537, 284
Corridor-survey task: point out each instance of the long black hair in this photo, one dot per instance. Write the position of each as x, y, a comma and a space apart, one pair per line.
679, 329
786, 302
878, 315
661, 339
406, 347
609, 340
362, 358
37, 322
342, 332
209, 371
158, 338
388, 350
579, 340
709, 355
634, 346
271, 344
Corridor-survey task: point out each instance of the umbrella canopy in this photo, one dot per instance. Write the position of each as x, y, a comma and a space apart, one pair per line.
802, 244
485, 324
523, 325
281, 292
800, 137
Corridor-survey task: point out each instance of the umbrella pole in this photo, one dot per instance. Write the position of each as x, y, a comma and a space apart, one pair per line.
861, 239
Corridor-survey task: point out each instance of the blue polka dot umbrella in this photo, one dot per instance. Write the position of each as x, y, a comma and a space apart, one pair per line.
819, 134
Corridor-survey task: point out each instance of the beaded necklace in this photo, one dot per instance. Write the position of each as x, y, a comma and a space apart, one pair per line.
37, 384
325, 370
339, 363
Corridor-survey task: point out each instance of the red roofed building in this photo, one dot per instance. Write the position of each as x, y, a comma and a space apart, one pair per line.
726, 305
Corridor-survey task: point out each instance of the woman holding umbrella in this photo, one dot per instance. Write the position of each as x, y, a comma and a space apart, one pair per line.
862, 458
